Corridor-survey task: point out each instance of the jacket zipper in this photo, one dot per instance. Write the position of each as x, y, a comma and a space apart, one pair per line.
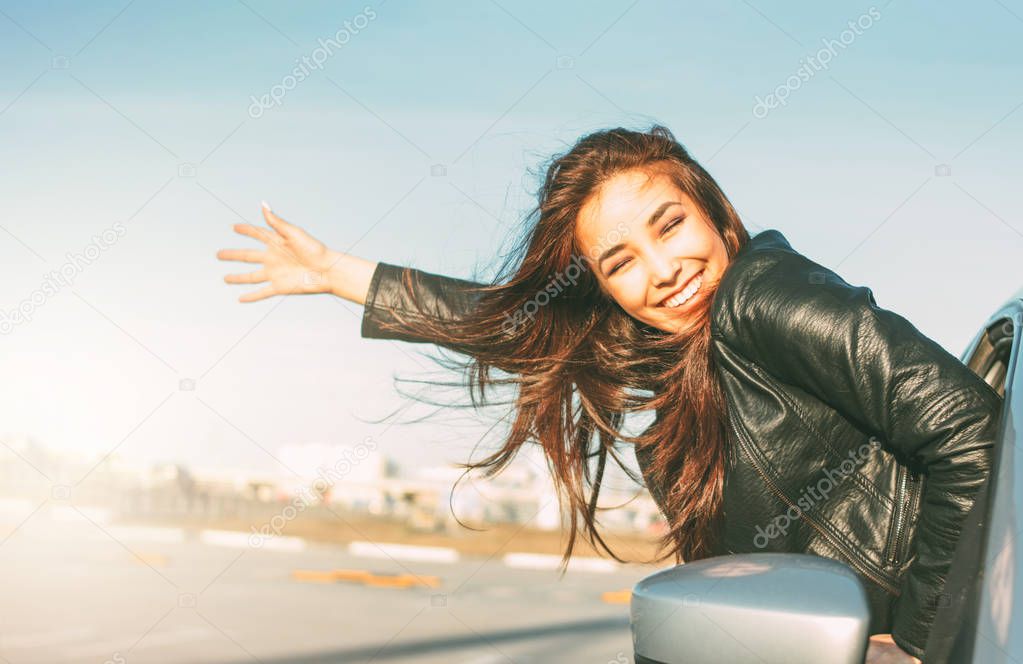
895, 533
853, 559
900, 530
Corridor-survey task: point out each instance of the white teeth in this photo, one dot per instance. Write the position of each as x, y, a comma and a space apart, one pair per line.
683, 297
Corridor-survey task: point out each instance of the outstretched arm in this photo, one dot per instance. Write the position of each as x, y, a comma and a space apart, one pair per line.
294, 262
444, 298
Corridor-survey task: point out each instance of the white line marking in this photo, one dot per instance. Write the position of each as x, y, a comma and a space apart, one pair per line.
548, 561
438, 554
240, 540
68, 514
148, 533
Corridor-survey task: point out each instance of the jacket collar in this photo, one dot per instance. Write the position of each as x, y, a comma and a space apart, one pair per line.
763, 242
766, 239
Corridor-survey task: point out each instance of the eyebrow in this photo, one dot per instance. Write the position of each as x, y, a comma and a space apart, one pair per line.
649, 222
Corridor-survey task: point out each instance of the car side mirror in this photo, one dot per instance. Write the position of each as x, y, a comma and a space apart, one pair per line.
755, 607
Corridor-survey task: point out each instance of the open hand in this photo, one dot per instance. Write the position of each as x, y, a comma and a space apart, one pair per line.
293, 261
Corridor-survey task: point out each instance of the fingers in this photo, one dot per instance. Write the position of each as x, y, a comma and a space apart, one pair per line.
243, 255
276, 223
257, 277
261, 294
262, 234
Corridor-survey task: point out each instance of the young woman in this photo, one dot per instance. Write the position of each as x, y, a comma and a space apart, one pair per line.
792, 413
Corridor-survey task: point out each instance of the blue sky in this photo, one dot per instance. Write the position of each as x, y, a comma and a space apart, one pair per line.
138, 113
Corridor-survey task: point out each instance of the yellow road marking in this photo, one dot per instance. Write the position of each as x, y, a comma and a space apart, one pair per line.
617, 596
365, 577
312, 576
151, 559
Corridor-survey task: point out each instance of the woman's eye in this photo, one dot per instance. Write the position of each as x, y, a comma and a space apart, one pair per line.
671, 224
616, 267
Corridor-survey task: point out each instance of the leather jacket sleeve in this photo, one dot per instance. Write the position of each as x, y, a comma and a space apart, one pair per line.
809, 328
443, 297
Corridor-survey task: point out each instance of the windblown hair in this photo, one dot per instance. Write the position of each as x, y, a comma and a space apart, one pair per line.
580, 363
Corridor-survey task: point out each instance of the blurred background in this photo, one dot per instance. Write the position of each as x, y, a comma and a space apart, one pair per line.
187, 478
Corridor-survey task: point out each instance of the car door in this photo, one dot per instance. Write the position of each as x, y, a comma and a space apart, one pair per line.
978, 619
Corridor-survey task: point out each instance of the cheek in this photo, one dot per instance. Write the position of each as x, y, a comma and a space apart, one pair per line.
631, 292
693, 244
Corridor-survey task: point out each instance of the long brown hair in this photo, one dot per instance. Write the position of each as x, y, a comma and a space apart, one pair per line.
580, 363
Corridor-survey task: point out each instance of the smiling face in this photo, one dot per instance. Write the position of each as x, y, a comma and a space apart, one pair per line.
650, 247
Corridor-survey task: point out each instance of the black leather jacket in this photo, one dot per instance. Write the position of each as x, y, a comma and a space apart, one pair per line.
855, 437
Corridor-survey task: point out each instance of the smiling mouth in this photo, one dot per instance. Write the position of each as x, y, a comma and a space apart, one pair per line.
686, 294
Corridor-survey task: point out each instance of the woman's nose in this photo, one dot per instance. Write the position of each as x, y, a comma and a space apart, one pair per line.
664, 270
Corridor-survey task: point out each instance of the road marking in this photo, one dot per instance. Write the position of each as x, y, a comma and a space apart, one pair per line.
148, 533
402, 581
549, 561
617, 596
435, 554
69, 514
365, 577
313, 576
240, 540
151, 559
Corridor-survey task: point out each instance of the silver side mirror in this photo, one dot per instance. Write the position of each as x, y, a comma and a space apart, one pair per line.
755, 607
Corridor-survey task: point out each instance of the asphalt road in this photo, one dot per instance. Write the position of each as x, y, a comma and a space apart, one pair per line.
78, 591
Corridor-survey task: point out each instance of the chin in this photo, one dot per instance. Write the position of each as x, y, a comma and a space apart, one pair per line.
675, 322
669, 327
